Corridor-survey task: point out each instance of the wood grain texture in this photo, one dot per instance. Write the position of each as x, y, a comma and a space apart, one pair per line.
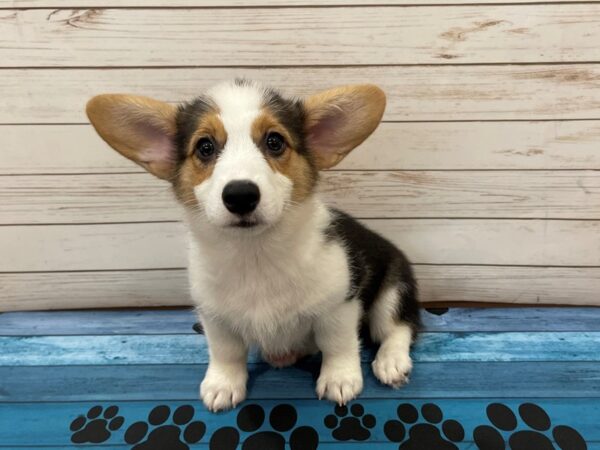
63, 149
529, 285
101, 322
242, 3
47, 421
192, 348
180, 321
43, 199
431, 241
109, 289
422, 93
180, 382
280, 37
147, 288
325, 445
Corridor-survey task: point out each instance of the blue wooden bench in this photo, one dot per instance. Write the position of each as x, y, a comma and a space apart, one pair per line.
483, 378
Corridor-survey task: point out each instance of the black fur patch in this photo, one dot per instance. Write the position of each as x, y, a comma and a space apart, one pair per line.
188, 116
290, 112
375, 263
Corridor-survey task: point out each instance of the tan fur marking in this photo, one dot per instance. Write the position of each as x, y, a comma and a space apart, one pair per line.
209, 125
193, 171
140, 128
291, 163
267, 122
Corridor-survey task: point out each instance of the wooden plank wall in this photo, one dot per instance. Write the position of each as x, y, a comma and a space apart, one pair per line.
485, 170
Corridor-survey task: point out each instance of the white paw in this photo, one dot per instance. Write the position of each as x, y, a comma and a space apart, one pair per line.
392, 368
222, 390
339, 385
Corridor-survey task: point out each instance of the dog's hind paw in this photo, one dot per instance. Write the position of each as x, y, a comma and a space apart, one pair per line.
392, 368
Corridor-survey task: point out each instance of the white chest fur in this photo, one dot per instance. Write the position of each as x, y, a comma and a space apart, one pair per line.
269, 288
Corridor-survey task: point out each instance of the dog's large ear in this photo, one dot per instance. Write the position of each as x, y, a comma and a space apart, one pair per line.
140, 128
338, 120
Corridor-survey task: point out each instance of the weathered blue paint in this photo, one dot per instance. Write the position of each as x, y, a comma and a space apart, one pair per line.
55, 366
180, 382
180, 321
97, 322
326, 446
191, 349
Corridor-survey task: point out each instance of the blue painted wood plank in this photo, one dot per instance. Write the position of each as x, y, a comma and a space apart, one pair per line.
52, 423
514, 319
180, 382
180, 321
326, 446
191, 349
97, 322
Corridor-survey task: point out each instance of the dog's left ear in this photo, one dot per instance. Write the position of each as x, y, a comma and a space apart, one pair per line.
140, 128
338, 120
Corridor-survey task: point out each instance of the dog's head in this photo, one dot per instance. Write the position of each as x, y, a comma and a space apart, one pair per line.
240, 155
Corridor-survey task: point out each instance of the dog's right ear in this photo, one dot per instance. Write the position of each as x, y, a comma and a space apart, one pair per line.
140, 128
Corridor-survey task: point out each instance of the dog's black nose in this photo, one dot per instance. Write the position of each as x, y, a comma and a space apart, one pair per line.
241, 197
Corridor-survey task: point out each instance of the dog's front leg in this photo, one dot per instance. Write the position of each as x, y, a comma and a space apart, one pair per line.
224, 385
336, 334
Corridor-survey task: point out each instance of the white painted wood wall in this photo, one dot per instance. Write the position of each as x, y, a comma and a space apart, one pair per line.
485, 170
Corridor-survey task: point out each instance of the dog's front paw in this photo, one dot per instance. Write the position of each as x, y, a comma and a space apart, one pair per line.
392, 368
222, 390
340, 384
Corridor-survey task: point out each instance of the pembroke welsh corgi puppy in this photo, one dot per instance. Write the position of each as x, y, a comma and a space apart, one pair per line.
270, 266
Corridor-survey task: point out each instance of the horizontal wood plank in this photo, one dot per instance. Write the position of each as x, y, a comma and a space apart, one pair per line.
421, 93
147, 288
241, 3
529, 285
465, 445
280, 37
180, 382
431, 241
63, 149
365, 194
327, 445
49, 422
181, 320
101, 322
106, 289
192, 348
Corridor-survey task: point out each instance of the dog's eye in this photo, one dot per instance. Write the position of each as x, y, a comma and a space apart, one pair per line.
205, 148
275, 143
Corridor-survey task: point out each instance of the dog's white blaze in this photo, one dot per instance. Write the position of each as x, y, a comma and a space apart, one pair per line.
239, 106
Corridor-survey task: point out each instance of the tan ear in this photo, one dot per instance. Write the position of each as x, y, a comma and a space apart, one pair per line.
338, 120
140, 128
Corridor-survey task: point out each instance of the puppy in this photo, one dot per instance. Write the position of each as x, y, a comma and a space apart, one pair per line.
270, 266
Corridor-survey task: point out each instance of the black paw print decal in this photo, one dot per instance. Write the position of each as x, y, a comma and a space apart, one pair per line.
534, 437
252, 417
348, 428
96, 425
157, 434
423, 435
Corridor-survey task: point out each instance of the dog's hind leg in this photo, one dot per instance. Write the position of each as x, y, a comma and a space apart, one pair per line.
393, 322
